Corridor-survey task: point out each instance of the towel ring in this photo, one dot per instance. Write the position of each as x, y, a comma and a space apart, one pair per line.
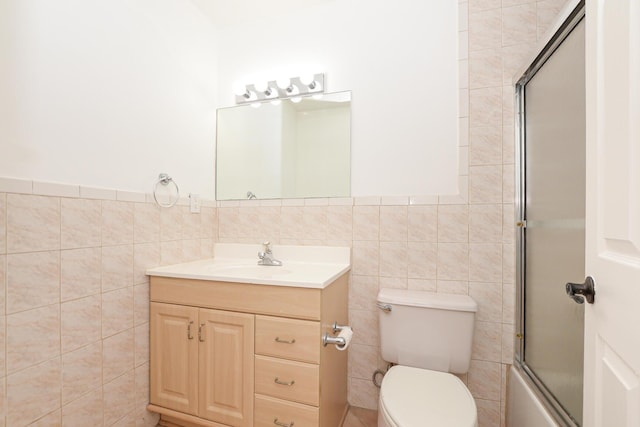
165, 179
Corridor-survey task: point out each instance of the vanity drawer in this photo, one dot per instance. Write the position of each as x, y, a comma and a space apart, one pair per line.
288, 338
287, 379
284, 301
267, 410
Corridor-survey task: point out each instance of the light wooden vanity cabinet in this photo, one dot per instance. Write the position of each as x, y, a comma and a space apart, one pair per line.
235, 354
202, 362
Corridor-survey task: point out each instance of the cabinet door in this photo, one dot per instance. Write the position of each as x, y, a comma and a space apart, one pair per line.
174, 357
226, 367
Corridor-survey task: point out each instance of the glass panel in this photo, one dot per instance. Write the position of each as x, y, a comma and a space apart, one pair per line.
555, 210
288, 150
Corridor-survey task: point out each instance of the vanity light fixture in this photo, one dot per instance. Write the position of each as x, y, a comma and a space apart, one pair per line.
310, 81
284, 83
245, 93
267, 89
285, 88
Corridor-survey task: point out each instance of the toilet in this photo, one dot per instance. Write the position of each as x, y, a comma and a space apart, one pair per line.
428, 337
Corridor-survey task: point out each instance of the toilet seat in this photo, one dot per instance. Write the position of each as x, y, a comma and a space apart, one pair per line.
413, 397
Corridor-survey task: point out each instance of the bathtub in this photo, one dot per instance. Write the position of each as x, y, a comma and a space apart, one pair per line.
524, 407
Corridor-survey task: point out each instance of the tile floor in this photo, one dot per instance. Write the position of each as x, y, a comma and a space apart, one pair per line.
359, 417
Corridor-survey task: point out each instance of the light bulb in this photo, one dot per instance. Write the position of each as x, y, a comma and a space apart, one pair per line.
293, 90
276, 102
283, 83
239, 88
307, 79
296, 99
271, 92
315, 86
261, 86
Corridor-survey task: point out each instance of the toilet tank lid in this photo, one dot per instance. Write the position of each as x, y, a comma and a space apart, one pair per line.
427, 299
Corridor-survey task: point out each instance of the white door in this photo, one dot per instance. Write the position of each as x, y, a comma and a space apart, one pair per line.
612, 324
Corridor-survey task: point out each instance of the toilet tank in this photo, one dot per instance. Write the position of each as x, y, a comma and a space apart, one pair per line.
426, 330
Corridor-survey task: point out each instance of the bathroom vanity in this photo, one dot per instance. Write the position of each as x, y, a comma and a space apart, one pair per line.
236, 344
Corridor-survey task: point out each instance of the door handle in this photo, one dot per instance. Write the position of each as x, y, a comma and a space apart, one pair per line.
582, 291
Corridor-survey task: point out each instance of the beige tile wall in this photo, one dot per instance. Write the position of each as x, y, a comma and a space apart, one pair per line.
74, 333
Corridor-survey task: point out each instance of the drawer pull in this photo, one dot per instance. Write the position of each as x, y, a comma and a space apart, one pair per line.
278, 423
285, 341
277, 381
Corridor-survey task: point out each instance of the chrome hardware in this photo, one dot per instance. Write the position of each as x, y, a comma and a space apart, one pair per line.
278, 423
339, 341
189, 330
384, 307
200, 337
285, 341
165, 179
266, 256
337, 327
582, 291
290, 383
250, 195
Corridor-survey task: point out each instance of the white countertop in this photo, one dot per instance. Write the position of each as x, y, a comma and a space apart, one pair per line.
302, 266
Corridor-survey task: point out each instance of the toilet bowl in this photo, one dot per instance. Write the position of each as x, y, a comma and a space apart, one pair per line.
428, 337
414, 397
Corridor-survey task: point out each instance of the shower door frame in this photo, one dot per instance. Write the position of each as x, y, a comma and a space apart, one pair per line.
569, 18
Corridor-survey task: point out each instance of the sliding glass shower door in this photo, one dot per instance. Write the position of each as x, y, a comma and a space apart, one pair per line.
552, 227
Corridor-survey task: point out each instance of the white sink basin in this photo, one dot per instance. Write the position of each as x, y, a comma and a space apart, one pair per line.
302, 266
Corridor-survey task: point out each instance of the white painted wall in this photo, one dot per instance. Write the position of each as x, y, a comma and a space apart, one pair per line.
108, 93
399, 59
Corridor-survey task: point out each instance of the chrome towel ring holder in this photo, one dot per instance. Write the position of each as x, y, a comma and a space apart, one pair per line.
165, 179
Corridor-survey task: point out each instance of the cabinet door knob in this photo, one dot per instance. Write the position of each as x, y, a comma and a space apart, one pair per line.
277, 381
189, 330
285, 341
278, 423
200, 337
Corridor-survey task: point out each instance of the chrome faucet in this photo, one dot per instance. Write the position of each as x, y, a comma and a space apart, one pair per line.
266, 256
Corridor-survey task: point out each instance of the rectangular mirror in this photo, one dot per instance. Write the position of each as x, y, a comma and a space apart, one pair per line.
290, 150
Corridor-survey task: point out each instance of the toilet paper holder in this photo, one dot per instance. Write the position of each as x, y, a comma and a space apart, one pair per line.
339, 342
338, 328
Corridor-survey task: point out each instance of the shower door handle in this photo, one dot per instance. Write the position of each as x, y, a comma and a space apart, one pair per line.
582, 291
